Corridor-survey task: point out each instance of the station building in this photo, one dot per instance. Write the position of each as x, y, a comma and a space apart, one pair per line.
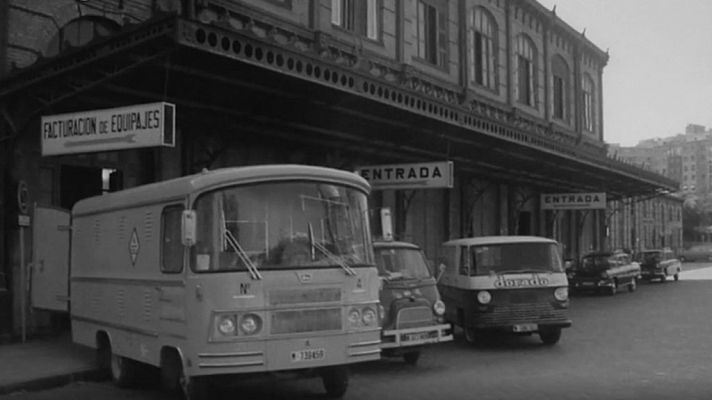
502, 94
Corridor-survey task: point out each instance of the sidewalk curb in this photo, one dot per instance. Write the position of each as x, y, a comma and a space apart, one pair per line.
50, 382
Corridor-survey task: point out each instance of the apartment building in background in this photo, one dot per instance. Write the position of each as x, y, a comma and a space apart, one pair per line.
685, 158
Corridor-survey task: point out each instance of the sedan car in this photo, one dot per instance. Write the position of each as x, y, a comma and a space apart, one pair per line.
659, 264
605, 271
700, 252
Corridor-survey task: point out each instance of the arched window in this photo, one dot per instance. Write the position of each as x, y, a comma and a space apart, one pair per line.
588, 101
559, 89
482, 47
79, 32
525, 67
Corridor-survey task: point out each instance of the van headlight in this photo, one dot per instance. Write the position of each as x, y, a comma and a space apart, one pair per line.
226, 325
439, 308
250, 324
484, 297
561, 293
369, 317
354, 317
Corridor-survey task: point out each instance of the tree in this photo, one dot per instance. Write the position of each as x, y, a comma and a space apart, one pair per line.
696, 217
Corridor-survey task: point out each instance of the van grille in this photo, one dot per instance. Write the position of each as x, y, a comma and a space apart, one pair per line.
297, 321
521, 306
297, 296
411, 317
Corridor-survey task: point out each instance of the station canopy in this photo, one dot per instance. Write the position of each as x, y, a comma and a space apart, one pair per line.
276, 90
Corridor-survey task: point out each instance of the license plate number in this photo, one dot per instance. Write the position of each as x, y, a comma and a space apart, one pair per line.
308, 355
411, 337
588, 284
524, 328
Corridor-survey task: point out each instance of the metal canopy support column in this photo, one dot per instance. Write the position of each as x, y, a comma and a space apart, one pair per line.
8, 133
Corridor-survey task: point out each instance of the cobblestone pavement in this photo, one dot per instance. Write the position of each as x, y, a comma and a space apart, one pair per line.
650, 344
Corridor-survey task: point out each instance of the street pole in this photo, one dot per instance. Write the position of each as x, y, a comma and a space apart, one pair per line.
23, 286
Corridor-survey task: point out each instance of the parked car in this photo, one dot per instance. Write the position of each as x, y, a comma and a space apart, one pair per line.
605, 271
659, 264
700, 252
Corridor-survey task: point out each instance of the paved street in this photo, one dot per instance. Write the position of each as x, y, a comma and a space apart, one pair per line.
653, 344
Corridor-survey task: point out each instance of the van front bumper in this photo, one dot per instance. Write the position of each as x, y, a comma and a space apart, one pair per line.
584, 284
417, 336
525, 328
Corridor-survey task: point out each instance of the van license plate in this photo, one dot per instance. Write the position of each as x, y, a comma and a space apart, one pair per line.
411, 337
524, 328
308, 355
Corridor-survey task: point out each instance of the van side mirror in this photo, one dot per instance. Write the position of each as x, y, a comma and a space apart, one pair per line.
386, 224
441, 270
188, 228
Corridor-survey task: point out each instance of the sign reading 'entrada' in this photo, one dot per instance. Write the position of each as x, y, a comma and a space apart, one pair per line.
409, 176
573, 201
143, 125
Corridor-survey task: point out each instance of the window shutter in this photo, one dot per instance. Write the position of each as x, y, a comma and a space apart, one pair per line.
442, 37
522, 85
490, 63
372, 23
479, 59
421, 30
336, 12
471, 53
349, 16
530, 73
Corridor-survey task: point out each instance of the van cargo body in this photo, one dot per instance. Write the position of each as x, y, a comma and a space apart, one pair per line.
238, 270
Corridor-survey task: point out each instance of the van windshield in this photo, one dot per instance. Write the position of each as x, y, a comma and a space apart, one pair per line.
652, 256
515, 258
281, 225
401, 263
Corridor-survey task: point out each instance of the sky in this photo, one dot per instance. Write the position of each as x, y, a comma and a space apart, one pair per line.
659, 75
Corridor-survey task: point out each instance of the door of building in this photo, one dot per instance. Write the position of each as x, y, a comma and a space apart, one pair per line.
49, 276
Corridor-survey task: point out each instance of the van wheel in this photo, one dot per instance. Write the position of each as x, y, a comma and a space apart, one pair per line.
123, 370
174, 379
613, 289
550, 336
411, 357
103, 354
677, 276
195, 388
335, 381
632, 285
171, 371
470, 335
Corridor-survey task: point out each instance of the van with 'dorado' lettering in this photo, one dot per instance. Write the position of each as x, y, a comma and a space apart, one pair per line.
505, 284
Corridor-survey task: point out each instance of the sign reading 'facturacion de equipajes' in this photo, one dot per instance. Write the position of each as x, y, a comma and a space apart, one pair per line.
142, 125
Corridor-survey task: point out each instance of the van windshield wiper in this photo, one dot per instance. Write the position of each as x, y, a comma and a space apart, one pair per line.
331, 256
242, 254
391, 276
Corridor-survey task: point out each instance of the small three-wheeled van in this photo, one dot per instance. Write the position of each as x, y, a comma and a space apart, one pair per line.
413, 312
511, 284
